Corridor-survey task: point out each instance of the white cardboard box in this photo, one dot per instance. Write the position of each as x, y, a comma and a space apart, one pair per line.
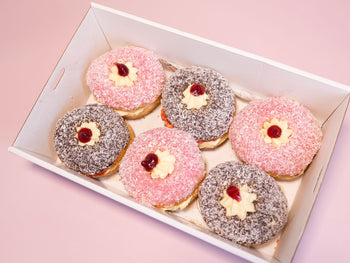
250, 76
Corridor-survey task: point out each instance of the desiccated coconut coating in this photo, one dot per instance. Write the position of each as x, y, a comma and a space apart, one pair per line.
270, 214
289, 159
210, 121
91, 160
176, 187
145, 90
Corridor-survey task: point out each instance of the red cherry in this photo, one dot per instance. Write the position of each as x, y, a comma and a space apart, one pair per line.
197, 89
274, 131
234, 193
84, 135
150, 161
122, 69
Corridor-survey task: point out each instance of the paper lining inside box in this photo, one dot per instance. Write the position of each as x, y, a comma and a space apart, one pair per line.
250, 77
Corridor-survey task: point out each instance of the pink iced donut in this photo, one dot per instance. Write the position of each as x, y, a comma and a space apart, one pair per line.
277, 135
180, 186
127, 79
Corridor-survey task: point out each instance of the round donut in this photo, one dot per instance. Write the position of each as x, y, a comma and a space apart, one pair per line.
179, 185
92, 139
129, 79
277, 134
258, 215
207, 123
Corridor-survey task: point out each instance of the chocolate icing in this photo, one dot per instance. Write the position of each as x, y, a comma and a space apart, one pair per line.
259, 226
210, 121
91, 160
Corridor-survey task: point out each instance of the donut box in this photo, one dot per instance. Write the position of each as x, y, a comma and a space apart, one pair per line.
250, 76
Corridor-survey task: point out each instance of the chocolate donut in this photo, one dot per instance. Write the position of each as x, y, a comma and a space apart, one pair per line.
242, 203
92, 139
210, 119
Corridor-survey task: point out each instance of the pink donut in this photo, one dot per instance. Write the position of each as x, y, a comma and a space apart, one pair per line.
144, 90
179, 187
283, 148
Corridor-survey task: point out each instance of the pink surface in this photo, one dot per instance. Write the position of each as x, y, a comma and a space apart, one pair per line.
45, 218
177, 186
150, 74
289, 159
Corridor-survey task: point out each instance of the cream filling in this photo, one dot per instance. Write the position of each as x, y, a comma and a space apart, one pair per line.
165, 165
194, 102
139, 112
128, 80
285, 134
124, 112
242, 207
210, 144
95, 133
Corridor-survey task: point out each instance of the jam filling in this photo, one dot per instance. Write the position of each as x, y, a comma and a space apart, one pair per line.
274, 131
122, 69
84, 135
165, 119
150, 161
233, 192
197, 90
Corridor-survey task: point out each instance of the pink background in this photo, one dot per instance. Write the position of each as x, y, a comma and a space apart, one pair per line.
45, 218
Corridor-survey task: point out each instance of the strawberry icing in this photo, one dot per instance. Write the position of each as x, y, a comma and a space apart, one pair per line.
145, 90
289, 159
188, 170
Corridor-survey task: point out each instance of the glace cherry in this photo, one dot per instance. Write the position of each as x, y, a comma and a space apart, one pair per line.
197, 90
274, 131
122, 69
150, 161
84, 135
234, 193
